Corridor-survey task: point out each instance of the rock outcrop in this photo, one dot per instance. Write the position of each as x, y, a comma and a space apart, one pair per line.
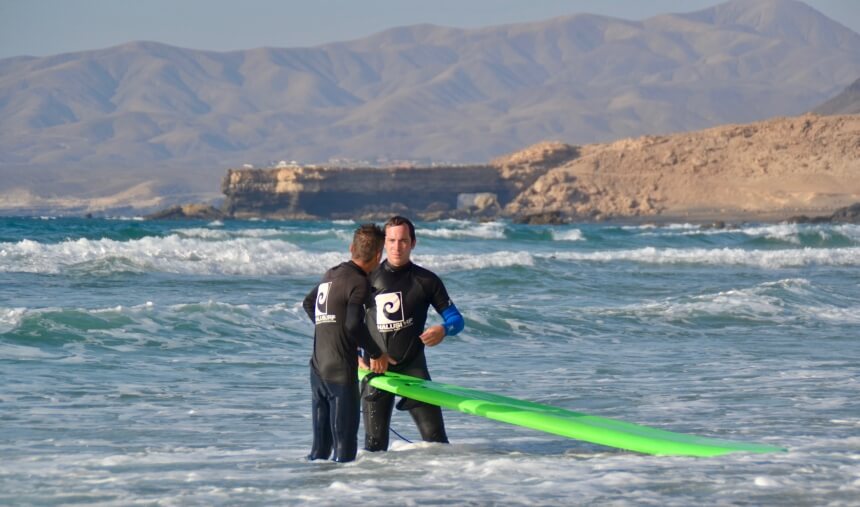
188, 212
846, 215
349, 192
768, 170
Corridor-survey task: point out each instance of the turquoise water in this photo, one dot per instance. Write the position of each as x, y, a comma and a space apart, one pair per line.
166, 363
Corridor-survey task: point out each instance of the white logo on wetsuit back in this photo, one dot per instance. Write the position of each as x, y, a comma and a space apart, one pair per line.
389, 312
321, 312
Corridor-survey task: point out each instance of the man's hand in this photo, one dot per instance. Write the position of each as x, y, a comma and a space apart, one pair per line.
379, 365
433, 336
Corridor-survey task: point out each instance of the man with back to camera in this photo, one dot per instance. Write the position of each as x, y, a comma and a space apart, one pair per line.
337, 306
403, 292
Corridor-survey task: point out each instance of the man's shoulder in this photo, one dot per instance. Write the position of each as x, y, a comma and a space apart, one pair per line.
424, 273
347, 271
385, 271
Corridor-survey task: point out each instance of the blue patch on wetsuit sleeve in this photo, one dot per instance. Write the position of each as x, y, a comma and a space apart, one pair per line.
454, 322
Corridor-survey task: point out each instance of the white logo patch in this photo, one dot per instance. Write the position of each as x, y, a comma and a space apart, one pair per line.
389, 312
321, 313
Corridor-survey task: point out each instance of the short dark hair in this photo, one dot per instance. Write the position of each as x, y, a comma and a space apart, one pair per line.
367, 242
399, 220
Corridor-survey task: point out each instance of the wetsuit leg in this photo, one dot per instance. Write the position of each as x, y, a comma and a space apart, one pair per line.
377, 418
428, 418
335, 414
344, 421
320, 415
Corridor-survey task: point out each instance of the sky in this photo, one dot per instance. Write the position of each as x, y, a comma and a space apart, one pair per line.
46, 27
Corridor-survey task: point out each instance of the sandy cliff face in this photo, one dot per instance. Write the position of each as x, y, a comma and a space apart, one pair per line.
769, 170
347, 192
766, 170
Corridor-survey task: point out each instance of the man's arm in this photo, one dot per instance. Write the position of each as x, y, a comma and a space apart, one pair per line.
453, 320
356, 326
310, 302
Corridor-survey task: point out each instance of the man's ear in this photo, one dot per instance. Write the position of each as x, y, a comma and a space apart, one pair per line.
352, 249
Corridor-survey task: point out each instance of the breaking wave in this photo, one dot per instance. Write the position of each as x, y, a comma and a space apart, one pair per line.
770, 259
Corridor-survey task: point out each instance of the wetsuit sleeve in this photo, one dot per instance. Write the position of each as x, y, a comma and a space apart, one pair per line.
439, 298
310, 302
454, 322
355, 325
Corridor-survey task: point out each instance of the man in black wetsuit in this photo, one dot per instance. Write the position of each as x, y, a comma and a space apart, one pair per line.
337, 306
403, 293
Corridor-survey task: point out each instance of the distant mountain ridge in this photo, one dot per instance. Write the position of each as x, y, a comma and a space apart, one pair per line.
99, 122
847, 102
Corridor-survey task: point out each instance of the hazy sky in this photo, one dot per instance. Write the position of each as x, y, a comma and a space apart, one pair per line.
44, 27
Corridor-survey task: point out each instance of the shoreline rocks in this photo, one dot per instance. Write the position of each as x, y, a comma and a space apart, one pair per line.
195, 211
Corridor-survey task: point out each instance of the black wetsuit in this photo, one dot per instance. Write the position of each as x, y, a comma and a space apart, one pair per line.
337, 308
402, 297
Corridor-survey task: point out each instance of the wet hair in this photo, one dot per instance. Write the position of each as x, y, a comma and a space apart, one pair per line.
367, 242
399, 220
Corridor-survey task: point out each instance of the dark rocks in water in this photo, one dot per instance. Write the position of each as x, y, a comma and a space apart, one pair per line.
188, 212
545, 218
719, 225
846, 215
803, 219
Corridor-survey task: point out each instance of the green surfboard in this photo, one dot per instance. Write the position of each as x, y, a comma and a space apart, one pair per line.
558, 421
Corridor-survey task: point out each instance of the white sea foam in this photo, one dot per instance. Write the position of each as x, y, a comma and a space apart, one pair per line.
220, 234
10, 318
747, 303
770, 259
665, 227
785, 232
834, 314
567, 235
790, 233
758, 302
171, 254
462, 229
782, 232
849, 230
458, 262
196, 255
126, 219
737, 303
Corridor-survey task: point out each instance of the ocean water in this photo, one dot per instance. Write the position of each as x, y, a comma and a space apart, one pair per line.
165, 363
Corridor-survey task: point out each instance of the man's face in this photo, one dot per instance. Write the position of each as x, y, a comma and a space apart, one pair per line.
398, 245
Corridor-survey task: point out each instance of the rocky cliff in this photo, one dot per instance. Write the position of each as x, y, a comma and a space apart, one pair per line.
768, 170
348, 192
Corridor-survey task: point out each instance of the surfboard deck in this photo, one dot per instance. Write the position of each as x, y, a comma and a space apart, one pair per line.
559, 421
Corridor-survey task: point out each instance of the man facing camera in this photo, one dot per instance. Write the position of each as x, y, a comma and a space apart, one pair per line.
403, 293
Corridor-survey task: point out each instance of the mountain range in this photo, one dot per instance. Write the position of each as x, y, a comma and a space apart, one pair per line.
143, 122
847, 102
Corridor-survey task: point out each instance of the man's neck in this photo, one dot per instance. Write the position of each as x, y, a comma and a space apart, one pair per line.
367, 267
392, 267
